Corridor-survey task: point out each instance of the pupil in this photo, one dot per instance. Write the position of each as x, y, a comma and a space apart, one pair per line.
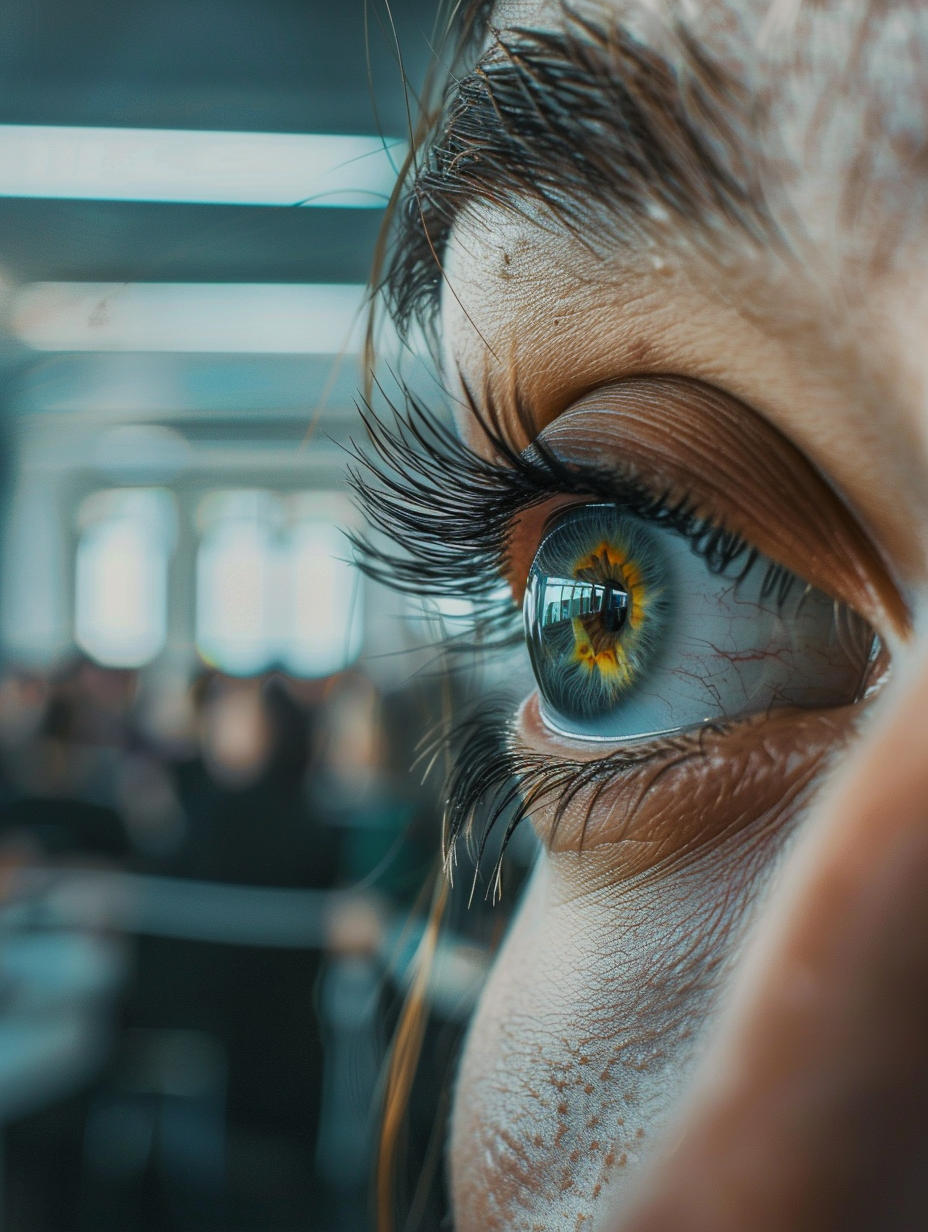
614, 610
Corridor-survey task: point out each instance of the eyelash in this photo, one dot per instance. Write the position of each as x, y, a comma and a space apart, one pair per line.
448, 511
491, 778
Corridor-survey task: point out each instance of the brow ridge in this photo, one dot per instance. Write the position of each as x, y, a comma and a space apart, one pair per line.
584, 121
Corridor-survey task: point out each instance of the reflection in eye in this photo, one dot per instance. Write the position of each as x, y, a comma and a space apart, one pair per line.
633, 632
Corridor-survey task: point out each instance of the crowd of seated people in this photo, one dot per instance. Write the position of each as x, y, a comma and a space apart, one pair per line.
266, 781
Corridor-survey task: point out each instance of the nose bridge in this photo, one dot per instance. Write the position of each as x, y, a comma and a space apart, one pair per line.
830, 1013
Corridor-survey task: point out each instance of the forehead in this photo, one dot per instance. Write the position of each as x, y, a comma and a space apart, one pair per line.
736, 194
769, 142
796, 125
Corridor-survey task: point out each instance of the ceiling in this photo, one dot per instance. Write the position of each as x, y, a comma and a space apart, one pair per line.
242, 65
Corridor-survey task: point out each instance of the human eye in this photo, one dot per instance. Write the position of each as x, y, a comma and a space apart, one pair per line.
703, 613
636, 631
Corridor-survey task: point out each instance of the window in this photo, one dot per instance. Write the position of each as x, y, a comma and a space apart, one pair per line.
126, 540
275, 585
235, 579
323, 612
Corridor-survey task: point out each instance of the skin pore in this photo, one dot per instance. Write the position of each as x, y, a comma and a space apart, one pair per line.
709, 1012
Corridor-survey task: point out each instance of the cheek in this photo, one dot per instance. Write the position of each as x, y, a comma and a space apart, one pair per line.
586, 1031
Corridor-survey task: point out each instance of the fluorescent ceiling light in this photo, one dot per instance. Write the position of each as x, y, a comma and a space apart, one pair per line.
261, 318
219, 168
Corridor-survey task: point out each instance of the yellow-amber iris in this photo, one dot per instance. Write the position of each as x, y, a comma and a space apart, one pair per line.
597, 647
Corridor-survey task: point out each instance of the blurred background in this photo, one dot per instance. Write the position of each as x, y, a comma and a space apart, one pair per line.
216, 862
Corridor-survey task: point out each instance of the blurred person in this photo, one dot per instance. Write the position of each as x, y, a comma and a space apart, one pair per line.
671, 256
242, 794
236, 735
62, 745
149, 807
23, 697
23, 702
363, 784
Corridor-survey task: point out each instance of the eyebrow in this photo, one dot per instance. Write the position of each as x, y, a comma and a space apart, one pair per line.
586, 121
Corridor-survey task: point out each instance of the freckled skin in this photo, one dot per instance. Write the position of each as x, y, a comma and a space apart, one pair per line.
594, 1012
654, 991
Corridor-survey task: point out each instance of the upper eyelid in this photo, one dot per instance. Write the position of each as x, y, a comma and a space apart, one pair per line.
518, 482
486, 497
453, 511
747, 473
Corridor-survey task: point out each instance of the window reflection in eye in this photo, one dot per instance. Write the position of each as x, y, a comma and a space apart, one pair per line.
635, 632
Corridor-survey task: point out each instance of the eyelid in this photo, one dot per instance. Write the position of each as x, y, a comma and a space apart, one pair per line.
701, 445
687, 794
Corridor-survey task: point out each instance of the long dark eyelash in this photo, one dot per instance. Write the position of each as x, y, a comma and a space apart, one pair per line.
448, 510
493, 783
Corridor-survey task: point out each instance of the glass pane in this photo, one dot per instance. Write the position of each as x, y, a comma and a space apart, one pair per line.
120, 616
325, 611
235, 572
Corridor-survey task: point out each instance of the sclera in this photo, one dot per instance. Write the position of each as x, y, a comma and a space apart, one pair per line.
724, 645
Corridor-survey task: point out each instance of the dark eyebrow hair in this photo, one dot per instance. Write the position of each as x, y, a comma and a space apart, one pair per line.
577, 119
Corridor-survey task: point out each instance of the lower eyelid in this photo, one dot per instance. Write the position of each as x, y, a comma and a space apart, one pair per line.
687, 795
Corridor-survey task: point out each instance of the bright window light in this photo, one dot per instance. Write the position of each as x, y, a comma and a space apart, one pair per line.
324, 613
275, 585
120, 616
260, 318
135, 164
236, 578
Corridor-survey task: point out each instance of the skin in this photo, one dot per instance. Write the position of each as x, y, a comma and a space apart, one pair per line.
711, 1009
